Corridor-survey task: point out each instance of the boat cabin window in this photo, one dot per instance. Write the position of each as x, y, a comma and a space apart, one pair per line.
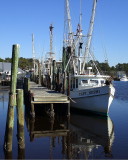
84, 81
76, 83
73, 83
94, 81
102, 81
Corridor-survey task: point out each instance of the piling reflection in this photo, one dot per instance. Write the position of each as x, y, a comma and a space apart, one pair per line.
55, 127
45, 126
89, 133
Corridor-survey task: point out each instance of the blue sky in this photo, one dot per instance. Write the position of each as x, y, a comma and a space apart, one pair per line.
20, 18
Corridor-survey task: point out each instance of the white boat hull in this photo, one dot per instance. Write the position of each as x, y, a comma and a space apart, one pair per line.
124, 79
96, 99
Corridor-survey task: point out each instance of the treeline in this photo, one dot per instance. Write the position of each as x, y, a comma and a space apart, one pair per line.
118, 67
104, 68
27, 63
24, 63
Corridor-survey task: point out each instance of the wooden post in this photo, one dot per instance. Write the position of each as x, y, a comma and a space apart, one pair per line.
68, 84
53, 74
32, 110
14, 70
12, 100
39, 73
42, 80
64, 82
68, 114
20, 119
26, 85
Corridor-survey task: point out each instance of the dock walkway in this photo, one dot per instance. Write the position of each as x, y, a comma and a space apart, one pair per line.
42, 95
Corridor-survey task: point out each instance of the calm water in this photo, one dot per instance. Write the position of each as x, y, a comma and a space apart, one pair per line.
83, 137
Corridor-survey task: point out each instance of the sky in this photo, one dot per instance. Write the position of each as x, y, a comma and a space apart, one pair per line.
19, 19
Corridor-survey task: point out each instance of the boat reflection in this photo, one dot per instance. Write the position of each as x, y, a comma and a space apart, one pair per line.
78, 139
89, 133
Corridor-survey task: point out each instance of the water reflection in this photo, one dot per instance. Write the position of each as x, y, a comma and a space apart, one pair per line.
56, 128
79, 138
89, 133
4, 95
121, 90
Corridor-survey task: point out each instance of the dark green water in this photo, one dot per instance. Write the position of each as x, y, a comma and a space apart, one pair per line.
83, 137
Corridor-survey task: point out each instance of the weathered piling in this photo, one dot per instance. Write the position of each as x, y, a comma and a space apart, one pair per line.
12, 99
64, 82
20, 119
68, 84
54, 73
39, 73
26, 86
51, 76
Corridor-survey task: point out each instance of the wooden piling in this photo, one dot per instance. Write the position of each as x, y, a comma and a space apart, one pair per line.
32, 110
26, 85
20, 119
68, 84
54, 73
64, 82
39, 73
12, 99
51, 75
14, 70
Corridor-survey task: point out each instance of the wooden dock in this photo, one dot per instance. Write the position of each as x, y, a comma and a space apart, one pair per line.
42, 95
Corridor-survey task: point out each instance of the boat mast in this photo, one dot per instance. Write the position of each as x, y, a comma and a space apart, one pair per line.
68, 25
51, 43
89, 35
68, 38
80, 38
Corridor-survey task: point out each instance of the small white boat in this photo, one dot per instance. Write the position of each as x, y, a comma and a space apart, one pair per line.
124, 78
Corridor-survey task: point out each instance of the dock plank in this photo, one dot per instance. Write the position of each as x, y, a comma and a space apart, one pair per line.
43, 95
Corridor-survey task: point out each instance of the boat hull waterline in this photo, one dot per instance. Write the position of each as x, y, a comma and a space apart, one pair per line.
97, 99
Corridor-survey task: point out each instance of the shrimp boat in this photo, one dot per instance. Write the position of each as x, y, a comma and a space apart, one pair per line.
89, 89
89, 92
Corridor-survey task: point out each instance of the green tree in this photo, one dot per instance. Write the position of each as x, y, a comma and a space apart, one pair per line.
1, 60
8, 59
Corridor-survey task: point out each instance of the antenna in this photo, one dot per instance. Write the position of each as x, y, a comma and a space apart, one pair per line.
81, 14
